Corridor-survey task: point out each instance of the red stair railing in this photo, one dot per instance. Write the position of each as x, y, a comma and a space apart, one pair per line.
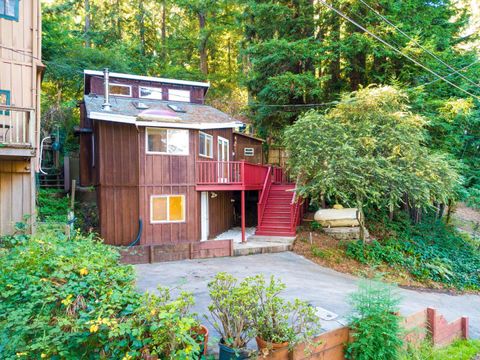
263, 198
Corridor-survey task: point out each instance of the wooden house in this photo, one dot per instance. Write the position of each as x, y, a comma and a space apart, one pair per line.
20, 77
169, 169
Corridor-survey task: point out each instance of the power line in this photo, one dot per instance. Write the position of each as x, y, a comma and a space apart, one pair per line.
417, 43
454, 73
395, 49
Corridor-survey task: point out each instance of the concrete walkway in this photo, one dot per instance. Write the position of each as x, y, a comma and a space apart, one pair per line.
320, 286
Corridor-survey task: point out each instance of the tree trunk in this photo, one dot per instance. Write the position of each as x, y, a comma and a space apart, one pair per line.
202, 48
87, 23
361, 218
164, 30
141, 26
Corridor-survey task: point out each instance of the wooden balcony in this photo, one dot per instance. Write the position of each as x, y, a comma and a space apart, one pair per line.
17, 132
229, 175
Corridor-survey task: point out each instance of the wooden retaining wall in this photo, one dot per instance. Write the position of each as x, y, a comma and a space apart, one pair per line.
426, 324
143, 254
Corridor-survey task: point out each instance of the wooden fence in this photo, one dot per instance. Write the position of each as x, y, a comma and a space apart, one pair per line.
143, 254
426, 324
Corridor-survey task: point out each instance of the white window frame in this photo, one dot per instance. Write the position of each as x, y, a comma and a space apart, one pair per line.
180, 98
166, 153
184, 212
207, 136
249, 150
121, 85
149, 88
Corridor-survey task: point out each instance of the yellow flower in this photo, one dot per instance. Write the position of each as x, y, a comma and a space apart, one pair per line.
43, 356
83, 272
93, 328
188, 350
68, 300
153, 312
127, 357
21, 354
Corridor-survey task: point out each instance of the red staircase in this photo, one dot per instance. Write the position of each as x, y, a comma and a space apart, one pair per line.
279, 212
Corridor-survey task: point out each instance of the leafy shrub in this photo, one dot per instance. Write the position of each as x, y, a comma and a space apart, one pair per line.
473, 199
70, 299
430, 250
277, 320
315, 226
232, 308
376, 330
459, 350
53, 205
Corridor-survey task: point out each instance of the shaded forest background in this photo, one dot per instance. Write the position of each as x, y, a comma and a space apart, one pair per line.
270, 61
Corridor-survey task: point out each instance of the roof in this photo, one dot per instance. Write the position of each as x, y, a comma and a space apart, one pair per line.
147, 78
193, 116
248, 136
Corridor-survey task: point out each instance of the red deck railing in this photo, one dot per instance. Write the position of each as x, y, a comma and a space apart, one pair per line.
239, 173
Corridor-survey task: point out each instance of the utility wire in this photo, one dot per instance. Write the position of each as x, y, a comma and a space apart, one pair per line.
417, 43
395, 49
454, 73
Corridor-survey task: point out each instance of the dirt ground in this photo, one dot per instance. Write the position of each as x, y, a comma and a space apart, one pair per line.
329, 252
467, 219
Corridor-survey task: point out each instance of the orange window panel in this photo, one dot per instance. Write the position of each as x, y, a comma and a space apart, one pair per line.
159, 209
177, 208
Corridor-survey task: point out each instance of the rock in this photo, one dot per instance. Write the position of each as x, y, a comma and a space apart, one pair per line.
345, 233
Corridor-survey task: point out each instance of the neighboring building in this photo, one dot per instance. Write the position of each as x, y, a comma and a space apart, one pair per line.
20, 77
161, 158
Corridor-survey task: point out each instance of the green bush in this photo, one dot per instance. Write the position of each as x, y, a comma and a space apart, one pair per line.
376, 331
430, 250
70, 299
459, 350
53, 205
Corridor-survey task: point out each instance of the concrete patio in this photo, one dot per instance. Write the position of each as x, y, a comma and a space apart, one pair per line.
322, 287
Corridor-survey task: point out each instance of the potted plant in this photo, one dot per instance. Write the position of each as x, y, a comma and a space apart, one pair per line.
232, 309
281, 324
170, 329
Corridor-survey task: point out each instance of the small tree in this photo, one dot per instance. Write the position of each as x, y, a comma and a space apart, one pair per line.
369, 150
376, 331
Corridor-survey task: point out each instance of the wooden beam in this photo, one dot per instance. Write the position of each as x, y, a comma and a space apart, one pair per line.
243, 217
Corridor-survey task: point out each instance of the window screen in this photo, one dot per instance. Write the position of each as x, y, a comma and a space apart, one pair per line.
120, 90
150, 93
167, 141
9, 9
205, 145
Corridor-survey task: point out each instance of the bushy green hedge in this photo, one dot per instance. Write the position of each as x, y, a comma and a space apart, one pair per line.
430, 250
53, 205
71, 299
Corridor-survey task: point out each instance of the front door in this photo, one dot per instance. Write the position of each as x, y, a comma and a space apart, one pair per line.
204, 215
223, 158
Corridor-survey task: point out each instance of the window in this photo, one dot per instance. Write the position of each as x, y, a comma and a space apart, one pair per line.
9, 9
249, 152
120, 90
178, 95
167, 141
206, 145
167, 208
150, 93
4, 100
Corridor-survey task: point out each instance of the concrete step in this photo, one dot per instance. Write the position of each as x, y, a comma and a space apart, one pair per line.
257, 247
272, 239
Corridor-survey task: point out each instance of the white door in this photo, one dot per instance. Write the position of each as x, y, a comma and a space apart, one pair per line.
204, 215
223, 158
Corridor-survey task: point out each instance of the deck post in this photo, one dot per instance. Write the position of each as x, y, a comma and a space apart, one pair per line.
243, 216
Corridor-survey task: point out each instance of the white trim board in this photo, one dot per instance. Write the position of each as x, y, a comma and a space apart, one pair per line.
148, 78
133, 120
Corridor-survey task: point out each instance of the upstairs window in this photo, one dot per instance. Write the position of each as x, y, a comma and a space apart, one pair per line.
206, 145
120, 90
179, 95
167, 208
167, 141
150, 93
9, 9
249, 152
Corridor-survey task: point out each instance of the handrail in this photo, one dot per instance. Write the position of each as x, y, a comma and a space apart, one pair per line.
212, 172
265, 189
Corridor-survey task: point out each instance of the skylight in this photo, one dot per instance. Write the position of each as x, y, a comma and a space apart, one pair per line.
176, 108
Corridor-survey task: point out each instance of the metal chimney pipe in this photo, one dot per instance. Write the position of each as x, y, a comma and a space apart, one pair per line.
106, 83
